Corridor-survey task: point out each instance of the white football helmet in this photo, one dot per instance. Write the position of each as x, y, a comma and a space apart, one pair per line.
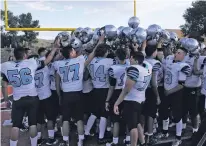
125, 36
65, 38
154, 31
138, 35
77, 32
134, 22
110, 32
173, 36
76, 43
191, 45
86, 35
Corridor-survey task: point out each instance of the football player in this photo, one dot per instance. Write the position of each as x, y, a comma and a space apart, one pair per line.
20, 74
175, 75
117, 78
46, 103
69, 72
98, 69
138, 78
152, 94
192, 87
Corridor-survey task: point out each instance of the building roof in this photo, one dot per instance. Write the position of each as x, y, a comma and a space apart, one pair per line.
178, 31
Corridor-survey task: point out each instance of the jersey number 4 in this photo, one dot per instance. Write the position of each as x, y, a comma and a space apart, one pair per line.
98, 74
67, 70
17, 78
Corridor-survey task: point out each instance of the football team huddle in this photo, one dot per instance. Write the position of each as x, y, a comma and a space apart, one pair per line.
126, 79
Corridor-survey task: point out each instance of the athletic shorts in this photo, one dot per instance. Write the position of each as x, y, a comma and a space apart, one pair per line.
150, 105
190, 102
46, 108
131, 113
99, 98
115, 96
87, 100
174, 102
56, 102
27, 104
72, 106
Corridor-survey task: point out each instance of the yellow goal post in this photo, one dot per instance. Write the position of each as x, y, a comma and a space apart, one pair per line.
7, 28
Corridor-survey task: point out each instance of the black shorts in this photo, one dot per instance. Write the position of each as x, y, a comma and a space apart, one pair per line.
162, 98
99, 97
150, 105
131, 114
174, 102
56, 102
46, 108
28, 104
115, 96
190, 101
87, 100
72, 106
201, 104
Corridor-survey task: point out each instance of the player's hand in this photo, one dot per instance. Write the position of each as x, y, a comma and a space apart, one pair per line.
135, 46
107, 106
116, 109
57, 43
158, 101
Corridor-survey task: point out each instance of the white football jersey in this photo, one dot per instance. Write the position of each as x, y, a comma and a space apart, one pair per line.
52, 76
71, 73
192, 80
42, 80
203, 89
156, 67
175, 72
21, 76
87, 82
142, 76
98, 69
119, 73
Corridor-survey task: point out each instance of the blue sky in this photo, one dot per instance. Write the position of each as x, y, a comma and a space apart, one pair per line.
67, 13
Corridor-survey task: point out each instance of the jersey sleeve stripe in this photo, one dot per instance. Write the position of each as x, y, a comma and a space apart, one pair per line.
156, 67
133, 73
186, 70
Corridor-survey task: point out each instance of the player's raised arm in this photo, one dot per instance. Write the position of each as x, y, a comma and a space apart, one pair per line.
52, 53
91, 55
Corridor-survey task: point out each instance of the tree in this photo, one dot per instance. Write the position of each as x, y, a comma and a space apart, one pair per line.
25, 21
195, 18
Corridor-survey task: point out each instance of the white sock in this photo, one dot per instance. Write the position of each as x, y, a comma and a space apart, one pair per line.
13, 143
33, 141
90, 123
127, 138
194, 130
51, 133
184, 125
115, 140
165, 124
109, 128
179, 128
65, 138
81, 137
102, 127
39, 135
